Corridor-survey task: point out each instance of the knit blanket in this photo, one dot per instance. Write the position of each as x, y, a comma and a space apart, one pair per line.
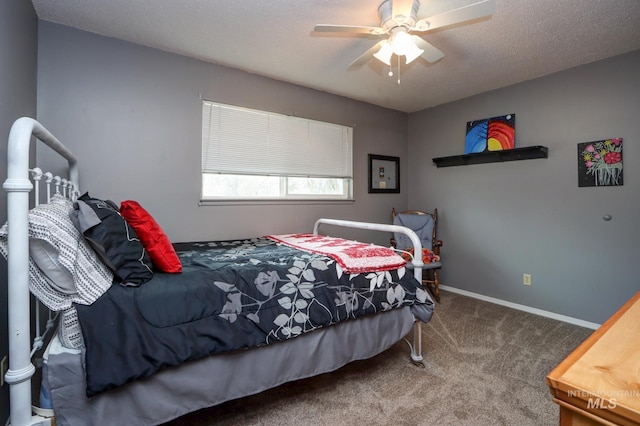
354, 257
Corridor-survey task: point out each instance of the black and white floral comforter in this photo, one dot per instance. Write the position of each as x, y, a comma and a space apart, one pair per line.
231, 295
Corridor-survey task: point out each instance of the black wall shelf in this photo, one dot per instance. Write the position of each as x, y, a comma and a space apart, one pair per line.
526, 153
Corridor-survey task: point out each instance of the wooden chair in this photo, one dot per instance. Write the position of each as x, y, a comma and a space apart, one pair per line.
424, 224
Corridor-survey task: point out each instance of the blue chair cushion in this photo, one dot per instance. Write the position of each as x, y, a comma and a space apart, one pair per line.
422, 225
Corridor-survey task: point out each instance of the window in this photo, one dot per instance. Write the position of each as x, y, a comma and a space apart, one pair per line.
257, 155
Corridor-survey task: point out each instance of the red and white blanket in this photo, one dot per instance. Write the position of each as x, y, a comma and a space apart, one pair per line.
354, 257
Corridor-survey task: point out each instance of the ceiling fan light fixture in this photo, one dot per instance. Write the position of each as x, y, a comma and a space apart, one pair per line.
401, 42
413, 53
385, 53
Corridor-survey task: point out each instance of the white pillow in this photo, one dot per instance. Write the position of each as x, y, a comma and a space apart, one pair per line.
46, 258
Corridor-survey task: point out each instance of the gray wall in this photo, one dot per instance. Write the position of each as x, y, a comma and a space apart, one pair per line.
18, 53
501, 220
132, 115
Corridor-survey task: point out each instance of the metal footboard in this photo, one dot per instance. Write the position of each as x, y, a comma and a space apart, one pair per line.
416, 344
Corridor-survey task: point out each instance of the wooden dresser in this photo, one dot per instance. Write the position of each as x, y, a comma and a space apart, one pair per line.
599, 382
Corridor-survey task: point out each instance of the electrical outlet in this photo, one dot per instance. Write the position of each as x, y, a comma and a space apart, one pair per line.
4, 366
526, 279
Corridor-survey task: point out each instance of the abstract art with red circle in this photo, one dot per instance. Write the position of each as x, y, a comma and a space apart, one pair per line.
491, 134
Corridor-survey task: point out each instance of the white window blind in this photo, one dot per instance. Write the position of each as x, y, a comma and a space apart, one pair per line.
243, 141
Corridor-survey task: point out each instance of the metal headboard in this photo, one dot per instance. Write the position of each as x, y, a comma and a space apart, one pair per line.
18, 187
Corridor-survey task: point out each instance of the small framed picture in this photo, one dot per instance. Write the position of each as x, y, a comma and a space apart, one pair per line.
384, 174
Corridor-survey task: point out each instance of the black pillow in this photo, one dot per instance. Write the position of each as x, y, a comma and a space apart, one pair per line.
115, 242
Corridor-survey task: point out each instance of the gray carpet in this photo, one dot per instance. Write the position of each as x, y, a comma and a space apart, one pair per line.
485, 365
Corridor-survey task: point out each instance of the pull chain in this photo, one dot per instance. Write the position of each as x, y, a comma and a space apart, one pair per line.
391, 70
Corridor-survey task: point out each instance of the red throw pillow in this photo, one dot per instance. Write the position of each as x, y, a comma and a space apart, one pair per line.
152, 236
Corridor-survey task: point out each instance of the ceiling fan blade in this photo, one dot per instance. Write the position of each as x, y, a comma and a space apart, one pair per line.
401, 10
366, 56
462, 14
431, 53
354, 29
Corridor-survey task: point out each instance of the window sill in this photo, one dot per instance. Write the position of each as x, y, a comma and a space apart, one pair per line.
205, 203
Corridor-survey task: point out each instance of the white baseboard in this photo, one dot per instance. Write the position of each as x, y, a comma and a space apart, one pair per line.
535, 311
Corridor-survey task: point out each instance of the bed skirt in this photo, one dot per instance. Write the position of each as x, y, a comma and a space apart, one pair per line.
174, 392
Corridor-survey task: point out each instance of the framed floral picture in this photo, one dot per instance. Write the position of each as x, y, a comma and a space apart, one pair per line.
600, 163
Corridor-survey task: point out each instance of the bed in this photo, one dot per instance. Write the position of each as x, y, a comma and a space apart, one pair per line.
142, 341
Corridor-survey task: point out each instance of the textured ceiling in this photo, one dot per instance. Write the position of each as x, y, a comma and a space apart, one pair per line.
522, 40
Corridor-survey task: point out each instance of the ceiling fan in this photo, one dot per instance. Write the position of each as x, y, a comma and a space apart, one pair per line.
398, 19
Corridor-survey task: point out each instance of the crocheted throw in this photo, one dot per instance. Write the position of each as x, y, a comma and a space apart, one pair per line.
354, 257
